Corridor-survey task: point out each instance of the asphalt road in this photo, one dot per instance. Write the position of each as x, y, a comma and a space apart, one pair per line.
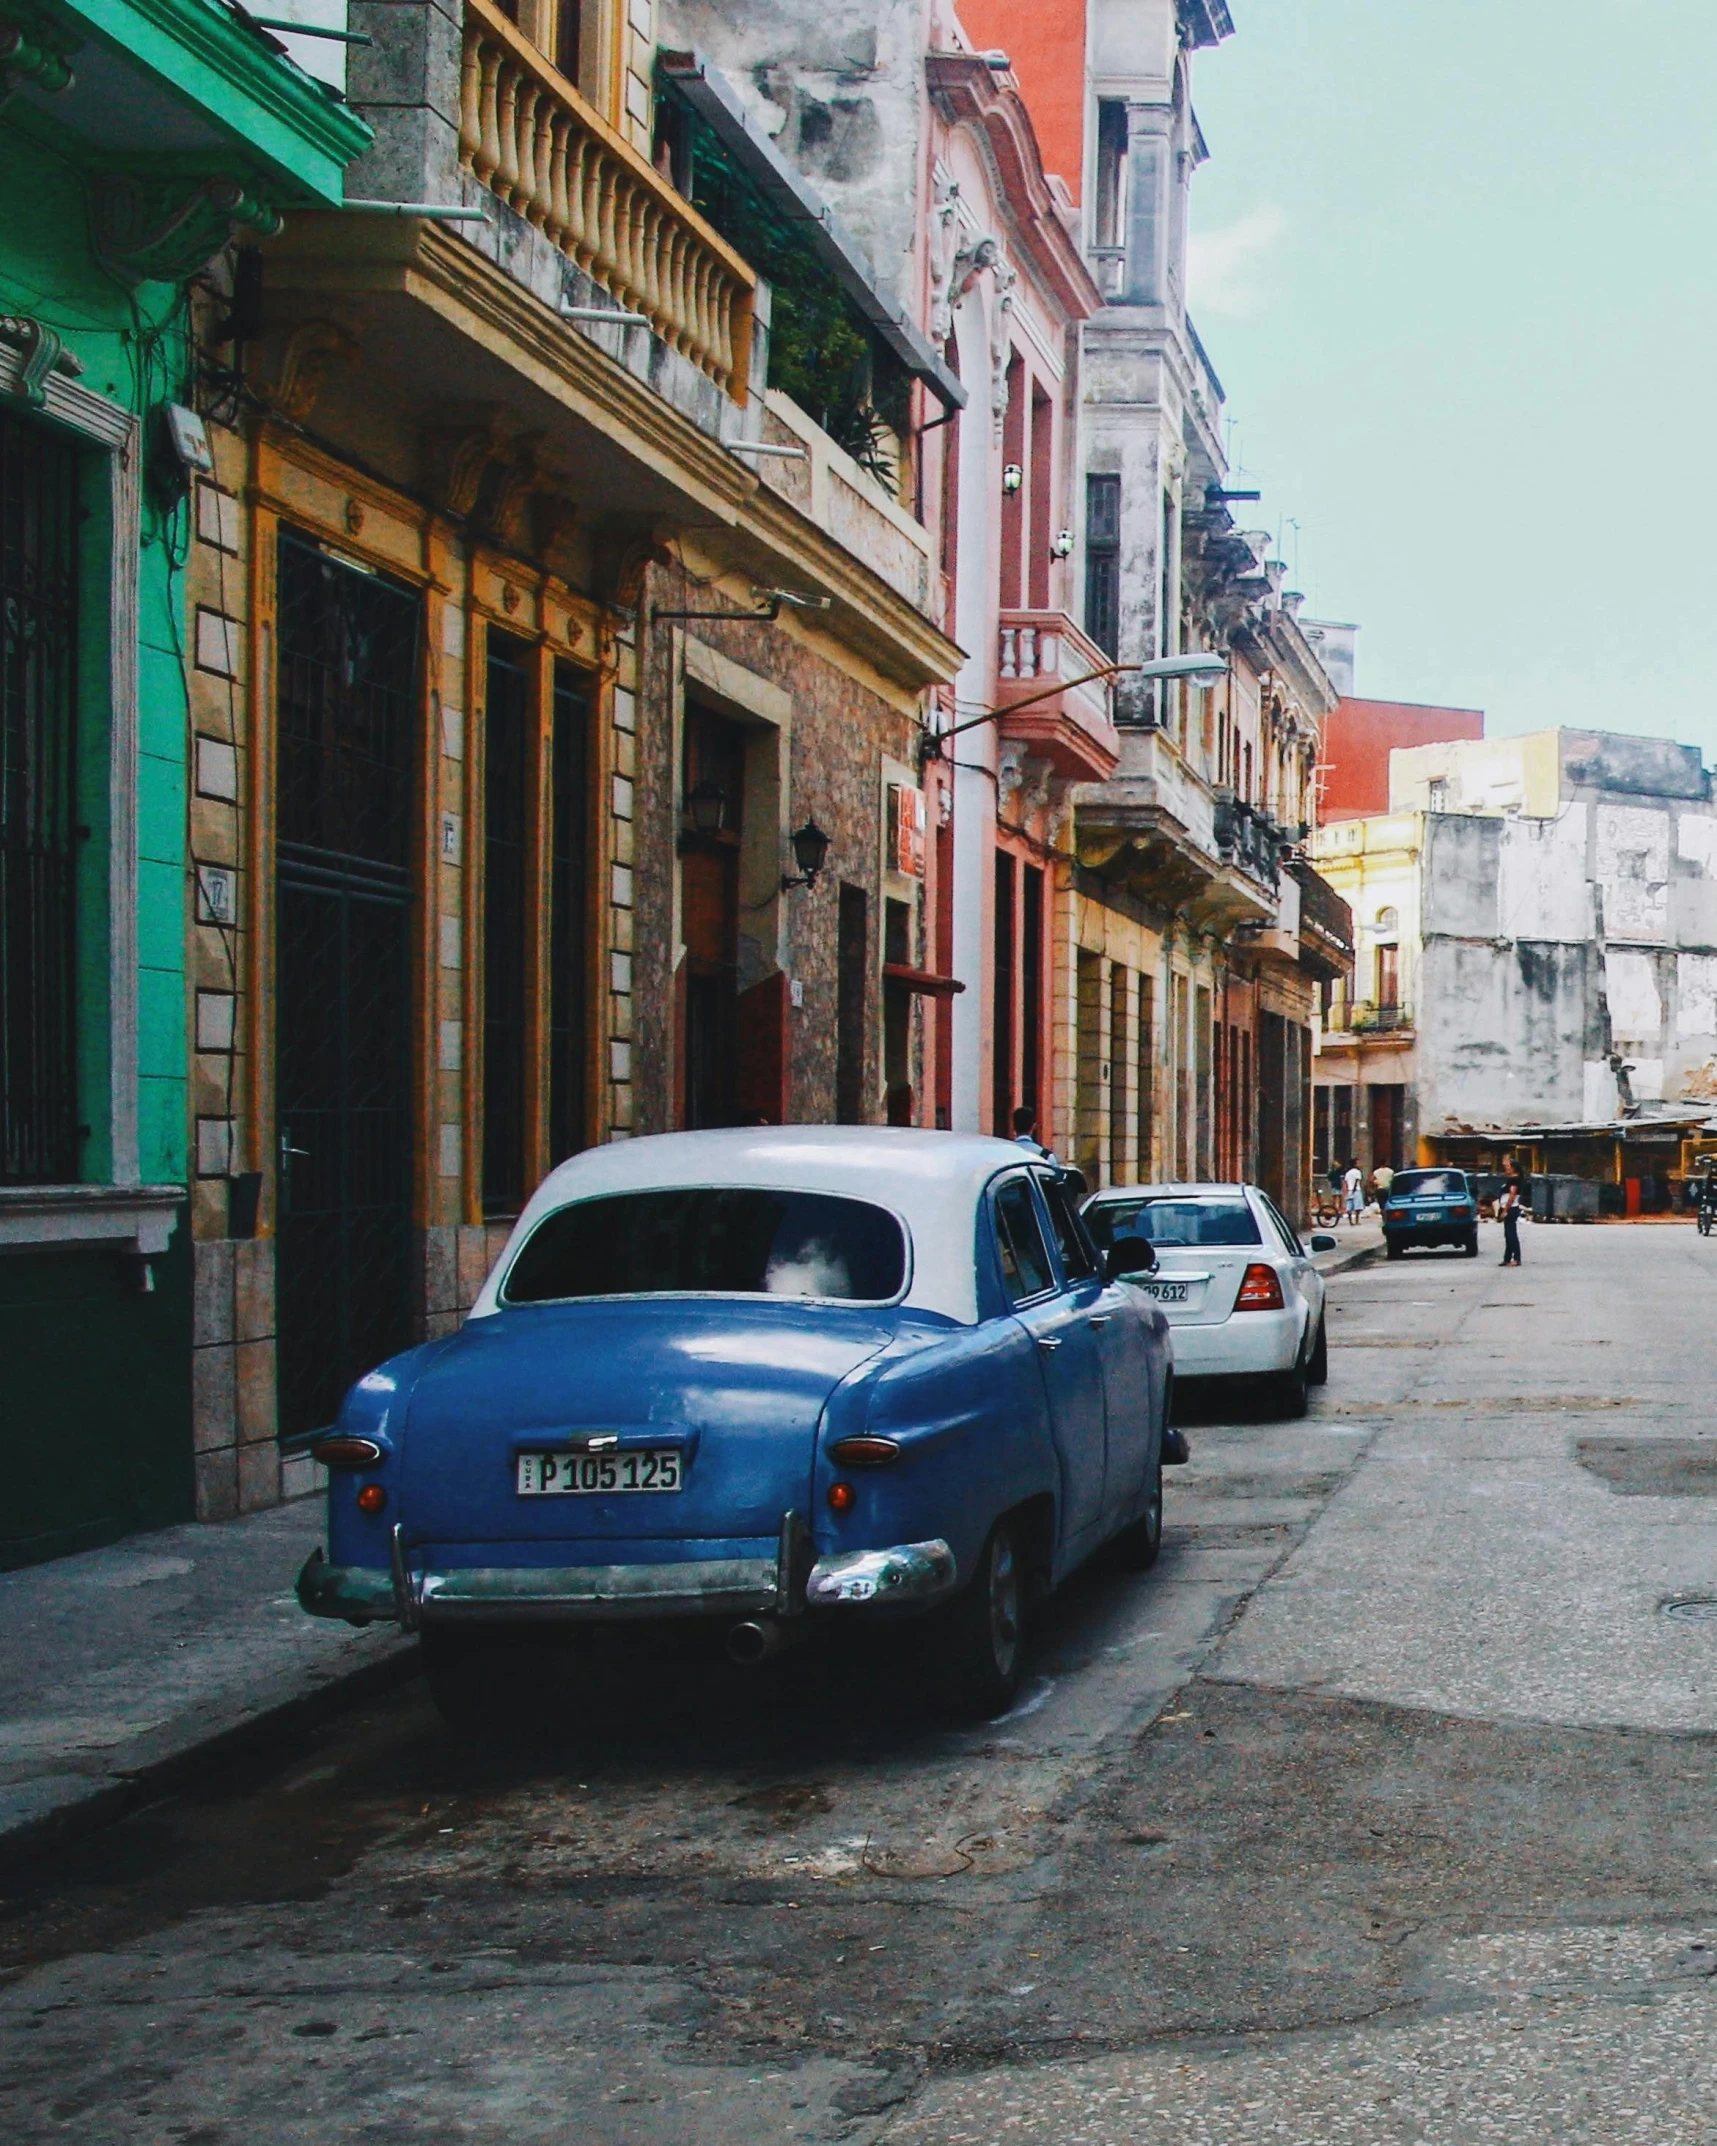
1380, 1812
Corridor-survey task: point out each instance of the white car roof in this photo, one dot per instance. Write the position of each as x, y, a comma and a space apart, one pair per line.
1171, 1192
932, 1181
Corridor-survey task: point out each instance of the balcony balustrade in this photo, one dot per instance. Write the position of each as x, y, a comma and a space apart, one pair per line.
1038, 651
1322, 910
1364, 1017
528, 136
1249, 839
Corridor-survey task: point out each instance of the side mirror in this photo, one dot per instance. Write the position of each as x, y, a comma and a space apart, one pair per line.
1324, 1242
1129, 1255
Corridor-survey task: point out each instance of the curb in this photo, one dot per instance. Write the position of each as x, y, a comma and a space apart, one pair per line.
1344, 1262
104, 1802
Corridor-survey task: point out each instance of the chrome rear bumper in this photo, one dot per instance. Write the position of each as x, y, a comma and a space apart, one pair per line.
907, 1577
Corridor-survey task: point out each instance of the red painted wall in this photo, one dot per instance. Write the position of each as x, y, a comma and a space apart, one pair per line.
1047, 47
1360, 736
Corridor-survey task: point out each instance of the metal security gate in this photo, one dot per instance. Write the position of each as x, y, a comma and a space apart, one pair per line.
38, 832
347, 762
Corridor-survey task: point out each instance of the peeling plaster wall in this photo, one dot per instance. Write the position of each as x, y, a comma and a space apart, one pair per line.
1551, 942
1543, 892
840, 90
1505, 1031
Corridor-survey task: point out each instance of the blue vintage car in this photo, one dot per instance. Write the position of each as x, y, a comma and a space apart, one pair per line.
769, 1380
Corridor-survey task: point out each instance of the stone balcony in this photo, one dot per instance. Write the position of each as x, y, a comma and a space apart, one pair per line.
527, 135
1050, 703
845, 501
1157, 827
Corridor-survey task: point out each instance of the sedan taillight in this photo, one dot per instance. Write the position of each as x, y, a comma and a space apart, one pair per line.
1260, 1289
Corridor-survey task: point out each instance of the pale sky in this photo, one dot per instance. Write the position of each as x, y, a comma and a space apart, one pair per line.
1455, 263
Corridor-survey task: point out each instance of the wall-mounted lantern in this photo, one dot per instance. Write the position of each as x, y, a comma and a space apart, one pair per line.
706, 808
810, 854
1013, 478
1061, 544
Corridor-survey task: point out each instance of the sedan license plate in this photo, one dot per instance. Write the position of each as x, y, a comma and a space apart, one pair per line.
596, 1475
1166, 1292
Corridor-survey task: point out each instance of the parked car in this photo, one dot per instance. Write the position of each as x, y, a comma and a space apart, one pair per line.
1238, 1288
1431, 1207
766, 1381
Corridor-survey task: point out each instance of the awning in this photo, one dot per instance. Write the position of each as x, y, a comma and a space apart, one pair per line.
922, 980
709, 93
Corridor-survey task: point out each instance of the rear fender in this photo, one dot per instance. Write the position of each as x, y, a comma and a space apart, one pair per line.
966, 1407
376, 1407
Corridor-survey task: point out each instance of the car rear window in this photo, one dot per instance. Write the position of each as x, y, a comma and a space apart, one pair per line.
1198, 1222
712, 1240
1419, 1182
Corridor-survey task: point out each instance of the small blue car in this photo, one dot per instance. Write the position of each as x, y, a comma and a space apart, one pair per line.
1431, 1207
766, 1381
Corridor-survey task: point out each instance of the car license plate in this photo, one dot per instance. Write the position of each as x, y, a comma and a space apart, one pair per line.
1167, 1292
595, 1475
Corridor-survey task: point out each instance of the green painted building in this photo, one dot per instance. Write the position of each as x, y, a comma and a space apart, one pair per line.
139, 139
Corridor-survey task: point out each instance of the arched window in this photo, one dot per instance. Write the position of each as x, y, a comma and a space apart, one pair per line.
1388, 923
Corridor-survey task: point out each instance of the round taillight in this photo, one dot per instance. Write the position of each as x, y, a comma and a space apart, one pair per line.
864, 1452
372, 1499
842, 1497
346, 1452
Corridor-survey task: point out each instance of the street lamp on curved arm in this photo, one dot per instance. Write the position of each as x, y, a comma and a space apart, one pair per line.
1204, 666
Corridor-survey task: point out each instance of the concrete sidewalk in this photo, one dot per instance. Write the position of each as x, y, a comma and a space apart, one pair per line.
121, 1667
1353, 1244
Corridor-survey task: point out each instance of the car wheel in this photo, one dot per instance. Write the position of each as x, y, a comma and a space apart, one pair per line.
1317, 1368
1292, 1391
984, 1637
1393, 1250
1470, 1244
1139, 1543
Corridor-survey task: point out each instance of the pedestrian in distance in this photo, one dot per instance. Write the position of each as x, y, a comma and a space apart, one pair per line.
1381, 1180
1353, 1191
1508, 1205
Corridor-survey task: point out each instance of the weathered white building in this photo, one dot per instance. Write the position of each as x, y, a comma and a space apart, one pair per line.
1537, 922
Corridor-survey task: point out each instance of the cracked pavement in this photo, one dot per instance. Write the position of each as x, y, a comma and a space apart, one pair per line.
1380, 1811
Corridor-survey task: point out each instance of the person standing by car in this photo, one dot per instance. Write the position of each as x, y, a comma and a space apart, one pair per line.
1025, 1132
1353, 1191
1508, 1205
1381, 1180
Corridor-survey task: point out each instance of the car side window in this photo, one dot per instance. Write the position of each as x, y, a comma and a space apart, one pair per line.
1283, 1228
1078, 1262
1019, 1239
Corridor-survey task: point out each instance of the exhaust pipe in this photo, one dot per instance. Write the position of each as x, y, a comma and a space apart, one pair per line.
756, 1639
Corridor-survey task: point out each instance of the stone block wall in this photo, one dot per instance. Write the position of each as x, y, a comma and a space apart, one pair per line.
236, 1458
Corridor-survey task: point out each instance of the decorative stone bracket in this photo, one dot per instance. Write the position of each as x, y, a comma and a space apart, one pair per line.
164, 230
34, 50
44, 353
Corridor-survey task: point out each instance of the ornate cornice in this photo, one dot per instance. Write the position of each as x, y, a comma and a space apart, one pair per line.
974, 95
161, 36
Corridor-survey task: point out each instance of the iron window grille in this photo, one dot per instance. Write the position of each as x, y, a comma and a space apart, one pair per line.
508, 754
38, 805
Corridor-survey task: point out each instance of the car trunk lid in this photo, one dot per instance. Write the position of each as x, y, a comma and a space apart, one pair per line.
736, 1390
1212, 1274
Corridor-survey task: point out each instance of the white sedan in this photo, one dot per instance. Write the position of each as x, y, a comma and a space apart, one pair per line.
1237, 1287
